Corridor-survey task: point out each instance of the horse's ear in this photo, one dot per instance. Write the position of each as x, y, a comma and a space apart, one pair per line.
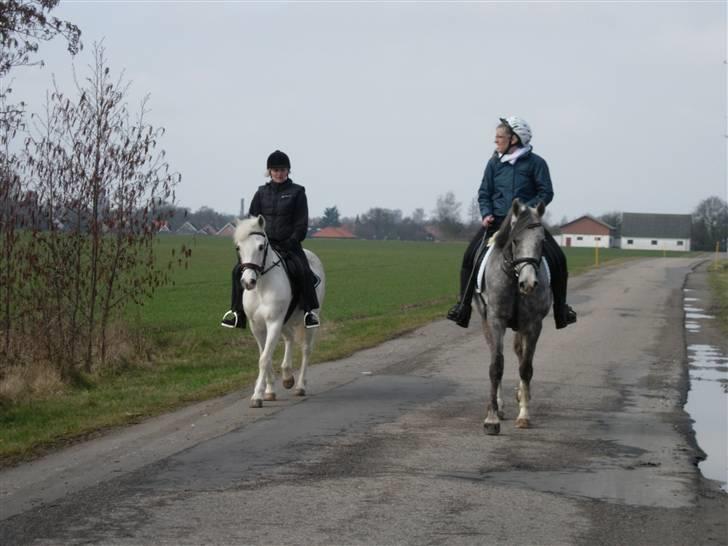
516, 207
540, 208
261, 221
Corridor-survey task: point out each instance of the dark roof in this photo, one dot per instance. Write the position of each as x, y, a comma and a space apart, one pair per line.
665, 226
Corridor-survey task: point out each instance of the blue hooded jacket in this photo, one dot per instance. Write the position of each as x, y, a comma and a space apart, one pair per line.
528, 179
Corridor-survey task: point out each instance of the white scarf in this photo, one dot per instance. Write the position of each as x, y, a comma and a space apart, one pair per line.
512, 158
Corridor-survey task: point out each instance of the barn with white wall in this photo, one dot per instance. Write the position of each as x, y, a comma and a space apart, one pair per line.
586, 231
645, 231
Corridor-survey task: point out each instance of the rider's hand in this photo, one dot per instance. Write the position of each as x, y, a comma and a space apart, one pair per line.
488, 220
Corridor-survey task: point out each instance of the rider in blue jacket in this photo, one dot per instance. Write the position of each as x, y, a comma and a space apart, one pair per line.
513, 171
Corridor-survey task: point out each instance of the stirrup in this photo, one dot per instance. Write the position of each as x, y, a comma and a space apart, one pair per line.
567, 317
229, 319
570, 315
310, 320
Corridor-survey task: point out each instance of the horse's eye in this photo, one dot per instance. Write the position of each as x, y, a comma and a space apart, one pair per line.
237, 248
260, 247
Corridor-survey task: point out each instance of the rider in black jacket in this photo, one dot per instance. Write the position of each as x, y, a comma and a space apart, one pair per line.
284, 206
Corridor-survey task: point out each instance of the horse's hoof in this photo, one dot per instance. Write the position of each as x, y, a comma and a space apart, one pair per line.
522, 423
501, 414
270, 397
288, 383
492, 428
256, 403
300, 392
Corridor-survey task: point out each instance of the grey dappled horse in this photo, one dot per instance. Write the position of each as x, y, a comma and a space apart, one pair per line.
514, 279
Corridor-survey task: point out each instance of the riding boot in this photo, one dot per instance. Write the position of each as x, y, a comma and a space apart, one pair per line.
455, 311
564, 314
461, 312
235, 317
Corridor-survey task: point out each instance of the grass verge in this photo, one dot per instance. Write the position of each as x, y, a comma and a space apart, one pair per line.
718, 275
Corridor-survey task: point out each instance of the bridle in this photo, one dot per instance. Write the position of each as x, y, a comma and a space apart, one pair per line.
260, 269
510, 265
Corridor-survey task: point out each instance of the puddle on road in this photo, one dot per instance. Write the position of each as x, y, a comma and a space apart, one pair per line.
707, 401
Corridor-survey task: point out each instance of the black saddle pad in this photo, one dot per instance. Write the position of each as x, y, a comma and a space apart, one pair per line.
294, 273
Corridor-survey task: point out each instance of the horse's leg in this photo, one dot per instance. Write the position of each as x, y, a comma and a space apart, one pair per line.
525, 370
270, 382
265, 362
287, 365
497, 330
309, 335
258, 329
518, 349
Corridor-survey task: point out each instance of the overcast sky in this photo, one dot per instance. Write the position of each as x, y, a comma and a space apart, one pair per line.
393, 104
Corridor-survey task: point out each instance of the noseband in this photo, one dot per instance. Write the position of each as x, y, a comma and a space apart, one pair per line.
259, 268
510, 265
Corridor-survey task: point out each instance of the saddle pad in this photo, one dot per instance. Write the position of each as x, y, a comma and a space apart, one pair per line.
480, 279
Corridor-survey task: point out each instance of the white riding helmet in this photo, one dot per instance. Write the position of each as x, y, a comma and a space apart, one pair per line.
519, 127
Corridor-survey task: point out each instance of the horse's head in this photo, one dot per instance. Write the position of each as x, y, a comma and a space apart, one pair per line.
521, 239
251, 244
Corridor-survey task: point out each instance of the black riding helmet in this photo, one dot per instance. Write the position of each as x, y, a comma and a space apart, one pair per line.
278, 159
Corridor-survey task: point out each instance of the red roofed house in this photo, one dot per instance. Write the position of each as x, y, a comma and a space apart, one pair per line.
333, 233
227, 230
587, 232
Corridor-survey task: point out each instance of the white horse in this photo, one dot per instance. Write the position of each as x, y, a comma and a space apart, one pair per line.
266, 299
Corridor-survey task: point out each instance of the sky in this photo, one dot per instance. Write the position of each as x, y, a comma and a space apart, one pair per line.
394, 104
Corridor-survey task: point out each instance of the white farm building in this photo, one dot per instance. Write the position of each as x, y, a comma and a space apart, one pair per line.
643, 231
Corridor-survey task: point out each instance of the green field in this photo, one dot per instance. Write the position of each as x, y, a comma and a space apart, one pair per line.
375, 290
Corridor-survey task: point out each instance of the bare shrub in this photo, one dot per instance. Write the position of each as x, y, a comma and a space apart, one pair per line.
99, 184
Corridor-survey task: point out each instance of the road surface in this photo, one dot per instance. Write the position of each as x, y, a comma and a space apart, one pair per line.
389, 447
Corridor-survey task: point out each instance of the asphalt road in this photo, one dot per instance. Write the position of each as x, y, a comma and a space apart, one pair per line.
389, 447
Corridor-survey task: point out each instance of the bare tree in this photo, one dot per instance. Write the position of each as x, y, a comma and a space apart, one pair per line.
447, 214
102, 188
710, 224
23, 25
418, 217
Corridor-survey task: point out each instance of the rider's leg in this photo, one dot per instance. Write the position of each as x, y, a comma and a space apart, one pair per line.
563, 313
235, 317
460, 313
309, 299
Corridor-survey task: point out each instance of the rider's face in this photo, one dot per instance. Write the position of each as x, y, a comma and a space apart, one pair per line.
502, 140
279, 174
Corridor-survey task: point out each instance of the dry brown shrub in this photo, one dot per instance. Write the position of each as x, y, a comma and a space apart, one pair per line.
35, 380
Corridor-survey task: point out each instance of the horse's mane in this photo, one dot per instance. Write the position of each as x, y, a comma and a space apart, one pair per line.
507, 232
244, 227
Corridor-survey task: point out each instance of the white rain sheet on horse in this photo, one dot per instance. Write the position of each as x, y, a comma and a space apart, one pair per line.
480, 281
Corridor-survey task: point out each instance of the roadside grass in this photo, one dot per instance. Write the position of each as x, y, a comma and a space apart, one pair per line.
718, 274
376, 290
